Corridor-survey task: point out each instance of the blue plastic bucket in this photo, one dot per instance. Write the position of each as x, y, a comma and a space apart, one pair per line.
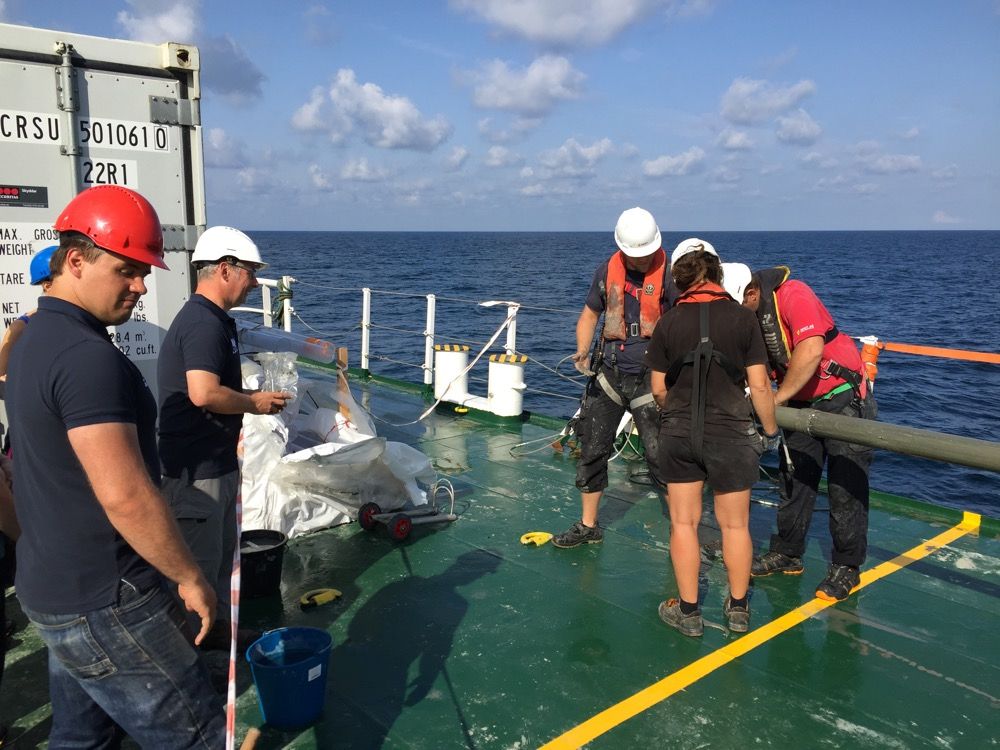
289, 668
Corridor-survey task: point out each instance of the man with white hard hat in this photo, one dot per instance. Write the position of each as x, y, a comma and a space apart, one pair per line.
631, 290
202, 403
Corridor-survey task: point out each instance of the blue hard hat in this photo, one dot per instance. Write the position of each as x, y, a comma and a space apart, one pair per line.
40, 265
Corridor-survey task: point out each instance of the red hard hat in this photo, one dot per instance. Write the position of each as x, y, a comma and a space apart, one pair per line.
116, 219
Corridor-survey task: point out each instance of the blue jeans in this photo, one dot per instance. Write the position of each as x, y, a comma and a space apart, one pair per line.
128, 669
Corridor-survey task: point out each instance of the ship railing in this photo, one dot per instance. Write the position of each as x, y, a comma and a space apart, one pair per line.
972, 452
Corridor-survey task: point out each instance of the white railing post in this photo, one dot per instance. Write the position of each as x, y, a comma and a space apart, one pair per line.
429, 341
366, 326
265, 300
511, 346
286, 304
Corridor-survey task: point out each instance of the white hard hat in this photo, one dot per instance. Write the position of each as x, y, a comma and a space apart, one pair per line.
690, 245
636, 233
221, 242
735, 279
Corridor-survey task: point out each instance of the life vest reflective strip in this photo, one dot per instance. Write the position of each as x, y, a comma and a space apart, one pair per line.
649, 297
778, 349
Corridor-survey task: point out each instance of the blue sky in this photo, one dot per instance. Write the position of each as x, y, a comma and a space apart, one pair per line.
559, 114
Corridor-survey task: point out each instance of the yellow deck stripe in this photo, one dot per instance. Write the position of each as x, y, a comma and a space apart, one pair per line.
686, 676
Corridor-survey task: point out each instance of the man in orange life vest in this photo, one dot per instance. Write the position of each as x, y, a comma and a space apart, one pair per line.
817, 367
631, 289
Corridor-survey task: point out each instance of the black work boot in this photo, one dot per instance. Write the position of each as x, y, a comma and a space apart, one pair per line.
578, 534
840, 581
775, 562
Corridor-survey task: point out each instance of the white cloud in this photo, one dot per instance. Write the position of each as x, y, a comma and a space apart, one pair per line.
253, 179
910, 134
734, 140
160, 20
864, 188
751, 102
318, 178
565, 22
943, 217
456, 158
686, 163
222, 150
229, 71
319, 29
818, 160
573, 160
383, 120
359, 170
536, 189
520, 127
531, 91
948, 172
527, 173
830, 183
798, 128
500, 156
891, 163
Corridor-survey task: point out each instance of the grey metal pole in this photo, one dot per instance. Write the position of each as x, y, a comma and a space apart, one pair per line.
939, 446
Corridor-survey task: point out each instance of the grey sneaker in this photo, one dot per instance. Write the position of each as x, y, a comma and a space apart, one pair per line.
692, 624
578, 534
840, 581
775, 562
738, 617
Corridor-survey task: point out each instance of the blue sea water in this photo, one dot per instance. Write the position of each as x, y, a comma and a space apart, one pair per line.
934, 288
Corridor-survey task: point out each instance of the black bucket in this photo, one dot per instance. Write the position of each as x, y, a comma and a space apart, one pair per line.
261, 553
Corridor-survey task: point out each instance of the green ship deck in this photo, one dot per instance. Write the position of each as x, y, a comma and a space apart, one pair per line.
461, 637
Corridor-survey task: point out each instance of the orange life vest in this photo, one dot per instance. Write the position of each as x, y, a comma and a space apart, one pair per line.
649, 297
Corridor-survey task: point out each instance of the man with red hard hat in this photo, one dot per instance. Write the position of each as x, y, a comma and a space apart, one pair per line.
97, 538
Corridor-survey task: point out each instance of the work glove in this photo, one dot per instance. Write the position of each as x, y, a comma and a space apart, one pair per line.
581, 362
769, 442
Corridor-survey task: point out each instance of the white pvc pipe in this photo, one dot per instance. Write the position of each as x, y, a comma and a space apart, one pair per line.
366, 326
429, 341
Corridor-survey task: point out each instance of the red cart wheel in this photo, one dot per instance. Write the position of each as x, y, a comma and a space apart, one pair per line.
399, 526
366, 516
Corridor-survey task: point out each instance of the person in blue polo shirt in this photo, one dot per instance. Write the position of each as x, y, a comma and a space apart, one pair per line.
97, 538
202, 404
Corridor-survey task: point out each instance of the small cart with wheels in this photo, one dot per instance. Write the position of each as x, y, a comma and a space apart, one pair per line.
400, 522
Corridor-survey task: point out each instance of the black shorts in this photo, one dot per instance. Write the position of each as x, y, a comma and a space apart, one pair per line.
726, 467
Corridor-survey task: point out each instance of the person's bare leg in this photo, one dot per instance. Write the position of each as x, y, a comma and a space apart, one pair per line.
684, 500
732, 510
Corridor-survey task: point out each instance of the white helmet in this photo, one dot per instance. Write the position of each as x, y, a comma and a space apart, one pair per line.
691, 245
636, 233
735, 279
217, 243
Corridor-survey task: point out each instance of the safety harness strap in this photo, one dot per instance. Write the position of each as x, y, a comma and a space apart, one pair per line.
638, 403
602, 380
699, 384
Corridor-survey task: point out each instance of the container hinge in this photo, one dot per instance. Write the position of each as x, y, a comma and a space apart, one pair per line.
180, 237
66, 94
166, 110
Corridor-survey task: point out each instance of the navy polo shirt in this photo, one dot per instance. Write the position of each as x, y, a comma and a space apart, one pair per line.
66, 373
194, 442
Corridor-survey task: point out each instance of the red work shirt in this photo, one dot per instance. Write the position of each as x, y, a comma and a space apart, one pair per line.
802, 315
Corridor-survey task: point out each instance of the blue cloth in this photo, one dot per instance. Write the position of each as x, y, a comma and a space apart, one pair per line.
195, 442
128, 666
65, 373
627, 355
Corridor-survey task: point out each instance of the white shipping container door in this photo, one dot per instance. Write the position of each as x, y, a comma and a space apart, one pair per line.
78, 111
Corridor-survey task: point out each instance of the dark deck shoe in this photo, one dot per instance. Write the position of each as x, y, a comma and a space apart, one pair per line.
692, 624
738, 616
578, 534
840, 582
775, 562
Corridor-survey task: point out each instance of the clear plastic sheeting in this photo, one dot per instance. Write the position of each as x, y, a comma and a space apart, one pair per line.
315, 464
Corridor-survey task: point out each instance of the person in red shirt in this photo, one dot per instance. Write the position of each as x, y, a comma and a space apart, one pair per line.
816, 367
